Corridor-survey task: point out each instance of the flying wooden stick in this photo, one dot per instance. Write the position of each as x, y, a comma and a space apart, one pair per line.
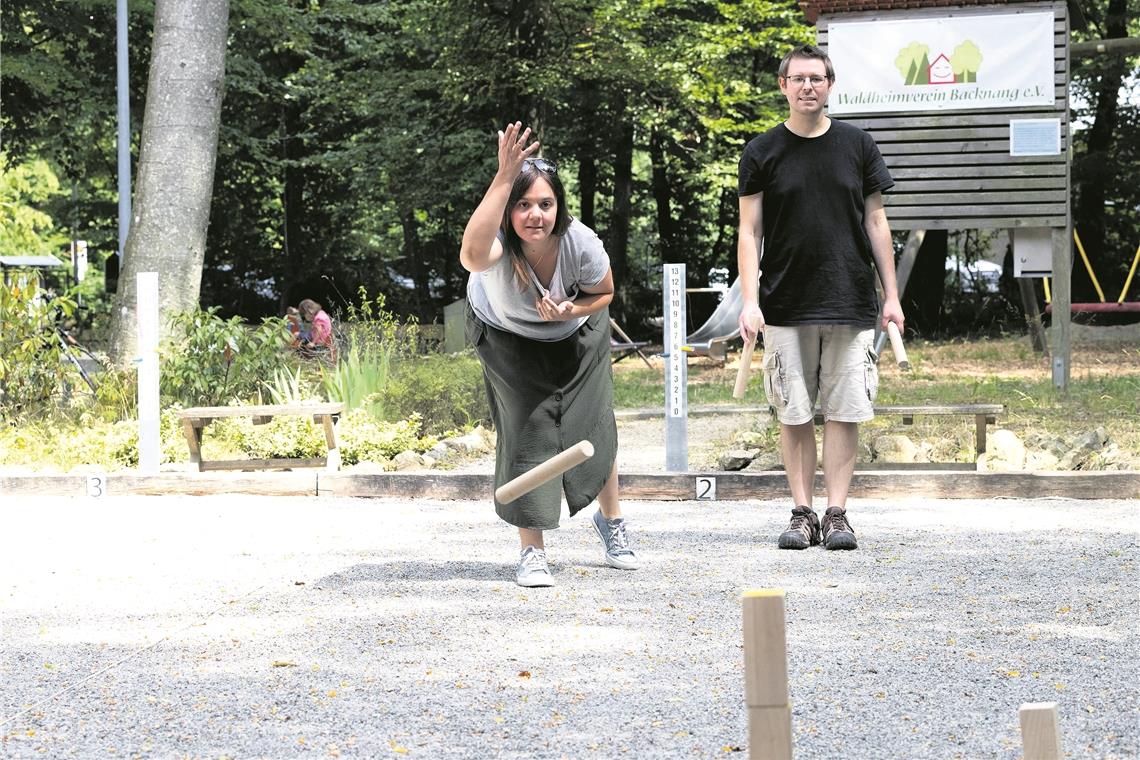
745, 361
548, 470
897, 346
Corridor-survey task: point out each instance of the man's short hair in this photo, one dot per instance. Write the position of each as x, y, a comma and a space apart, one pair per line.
808, 51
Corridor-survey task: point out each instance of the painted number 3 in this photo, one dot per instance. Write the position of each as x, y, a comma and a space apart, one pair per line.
706, 489
96, 486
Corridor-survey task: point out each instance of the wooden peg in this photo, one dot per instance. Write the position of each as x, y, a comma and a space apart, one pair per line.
1040, 731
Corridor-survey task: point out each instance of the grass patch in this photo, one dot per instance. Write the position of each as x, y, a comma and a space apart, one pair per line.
1104, 391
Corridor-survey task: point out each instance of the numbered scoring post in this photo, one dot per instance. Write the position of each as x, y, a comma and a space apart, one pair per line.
706, 488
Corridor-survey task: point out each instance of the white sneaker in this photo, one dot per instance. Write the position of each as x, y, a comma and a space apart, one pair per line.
532, 571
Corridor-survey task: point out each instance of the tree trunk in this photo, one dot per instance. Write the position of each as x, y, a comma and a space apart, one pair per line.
1098, 168
176, 163
416, 264
662, 194
618, 244
587, 189
926, 286
292, 208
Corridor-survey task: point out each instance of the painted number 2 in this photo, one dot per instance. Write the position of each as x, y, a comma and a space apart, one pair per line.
706, 489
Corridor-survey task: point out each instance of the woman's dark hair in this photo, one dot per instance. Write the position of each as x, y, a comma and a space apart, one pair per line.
530, 172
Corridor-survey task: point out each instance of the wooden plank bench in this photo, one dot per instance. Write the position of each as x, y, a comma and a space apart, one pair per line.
196, 418
983, 414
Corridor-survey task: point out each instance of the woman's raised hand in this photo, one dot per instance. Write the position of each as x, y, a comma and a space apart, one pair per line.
513, 150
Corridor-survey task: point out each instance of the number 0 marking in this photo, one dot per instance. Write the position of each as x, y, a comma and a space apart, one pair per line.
706, 489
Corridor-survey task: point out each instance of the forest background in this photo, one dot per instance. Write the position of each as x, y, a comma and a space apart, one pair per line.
357, 137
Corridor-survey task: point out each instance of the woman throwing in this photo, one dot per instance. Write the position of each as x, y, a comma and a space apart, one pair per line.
536, 313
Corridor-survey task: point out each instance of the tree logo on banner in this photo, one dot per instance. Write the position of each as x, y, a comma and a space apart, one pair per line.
917, 68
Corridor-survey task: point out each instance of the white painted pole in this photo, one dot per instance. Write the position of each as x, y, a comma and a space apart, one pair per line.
147, 360
676, 371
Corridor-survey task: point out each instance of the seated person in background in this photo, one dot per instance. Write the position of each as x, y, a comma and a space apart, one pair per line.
296, 327
320, 332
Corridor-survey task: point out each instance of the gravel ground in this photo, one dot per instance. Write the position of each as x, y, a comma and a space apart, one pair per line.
284, 627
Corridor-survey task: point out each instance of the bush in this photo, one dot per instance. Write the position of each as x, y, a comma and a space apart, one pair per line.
207, 360
363, 438
33, 370
446, 391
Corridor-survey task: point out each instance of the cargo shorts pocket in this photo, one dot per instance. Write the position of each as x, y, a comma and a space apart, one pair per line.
871, 374
775, 382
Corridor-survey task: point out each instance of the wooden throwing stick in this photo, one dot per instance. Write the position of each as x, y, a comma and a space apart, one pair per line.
897, 346
745, 362
545, 472
766, 676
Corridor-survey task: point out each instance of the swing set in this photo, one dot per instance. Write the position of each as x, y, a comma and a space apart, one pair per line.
1100, 307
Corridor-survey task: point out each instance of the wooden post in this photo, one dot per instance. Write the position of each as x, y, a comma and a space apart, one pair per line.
1062, 298
548, 470
766, 676
1040, 731
1032, 316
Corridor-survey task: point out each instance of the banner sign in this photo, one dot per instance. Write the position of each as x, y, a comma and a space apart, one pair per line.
942, 64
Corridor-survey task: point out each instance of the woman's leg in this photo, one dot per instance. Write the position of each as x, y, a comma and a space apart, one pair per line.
608, 497
530, 537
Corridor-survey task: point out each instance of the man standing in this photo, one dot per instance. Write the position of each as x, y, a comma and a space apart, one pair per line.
810, 189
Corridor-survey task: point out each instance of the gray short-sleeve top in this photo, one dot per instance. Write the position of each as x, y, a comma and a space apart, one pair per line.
495, 297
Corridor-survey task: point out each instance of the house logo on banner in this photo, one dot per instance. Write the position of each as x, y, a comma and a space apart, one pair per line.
937, 64
917, 68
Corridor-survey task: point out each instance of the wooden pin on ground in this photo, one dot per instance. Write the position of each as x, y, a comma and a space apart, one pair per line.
1040, 731
766, 676
897, 346
545, 472
745, 361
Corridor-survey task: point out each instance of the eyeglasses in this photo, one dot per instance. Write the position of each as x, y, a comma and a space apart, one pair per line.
798, 81
542, 165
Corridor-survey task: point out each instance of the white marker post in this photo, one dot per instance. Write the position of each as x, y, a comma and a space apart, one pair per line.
676, 371
146, 311
766, 676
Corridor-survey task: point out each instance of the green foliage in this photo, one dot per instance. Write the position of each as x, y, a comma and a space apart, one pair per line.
447, 391
35, 376
207, 360
375, 341
25, 230
365, 439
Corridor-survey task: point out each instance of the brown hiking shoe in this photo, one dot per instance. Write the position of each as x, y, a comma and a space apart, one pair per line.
803, 530
837, 532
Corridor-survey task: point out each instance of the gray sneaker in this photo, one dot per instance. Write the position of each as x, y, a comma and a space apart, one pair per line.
532, 571
612, 533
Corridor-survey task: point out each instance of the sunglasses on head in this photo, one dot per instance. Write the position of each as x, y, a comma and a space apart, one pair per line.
543, 165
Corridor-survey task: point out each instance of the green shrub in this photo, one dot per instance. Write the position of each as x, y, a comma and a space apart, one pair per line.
364, 438
35, 377
207, 360
446, 391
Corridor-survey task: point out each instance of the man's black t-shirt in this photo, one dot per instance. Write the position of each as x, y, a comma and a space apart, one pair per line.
817, 263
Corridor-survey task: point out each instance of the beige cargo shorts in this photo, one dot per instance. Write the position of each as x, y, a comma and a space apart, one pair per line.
836, 363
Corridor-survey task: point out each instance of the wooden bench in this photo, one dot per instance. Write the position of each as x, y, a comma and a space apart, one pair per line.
983, 414
196, 418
